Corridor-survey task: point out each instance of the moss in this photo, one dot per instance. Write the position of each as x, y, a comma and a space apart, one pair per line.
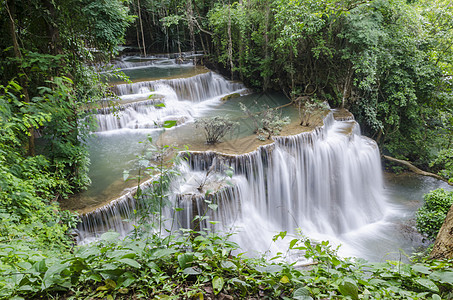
230, 96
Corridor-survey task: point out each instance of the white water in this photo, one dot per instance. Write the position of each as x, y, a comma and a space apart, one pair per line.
180, 96
327, 182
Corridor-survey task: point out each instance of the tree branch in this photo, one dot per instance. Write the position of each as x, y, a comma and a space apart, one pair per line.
414, 168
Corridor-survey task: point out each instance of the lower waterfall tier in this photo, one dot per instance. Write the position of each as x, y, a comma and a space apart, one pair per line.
327, 182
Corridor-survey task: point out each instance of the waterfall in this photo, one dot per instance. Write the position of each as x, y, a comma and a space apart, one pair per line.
324, 181
327, 182
197, 88
163, 61
138, 110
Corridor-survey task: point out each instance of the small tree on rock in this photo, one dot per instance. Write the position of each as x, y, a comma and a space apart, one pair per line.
310, 110
215, 128
269, 122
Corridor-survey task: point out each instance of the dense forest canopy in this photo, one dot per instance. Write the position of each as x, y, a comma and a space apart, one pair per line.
388, 62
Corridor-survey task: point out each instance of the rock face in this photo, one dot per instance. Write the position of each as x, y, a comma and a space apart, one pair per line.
443, 247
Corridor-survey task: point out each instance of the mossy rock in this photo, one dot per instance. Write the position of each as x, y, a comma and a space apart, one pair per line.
230, 96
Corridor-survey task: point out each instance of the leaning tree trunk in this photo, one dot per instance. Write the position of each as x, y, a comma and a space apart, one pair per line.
443, 247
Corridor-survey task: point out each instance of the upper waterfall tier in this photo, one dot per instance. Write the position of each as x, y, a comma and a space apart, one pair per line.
197, 88
137, 110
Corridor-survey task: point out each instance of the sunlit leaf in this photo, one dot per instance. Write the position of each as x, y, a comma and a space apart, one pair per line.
217, 284
427, 283
169, 124
284, 279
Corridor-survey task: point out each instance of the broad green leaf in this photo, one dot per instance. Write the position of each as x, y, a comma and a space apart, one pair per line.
110, 236
169, 124
50, 275
302, 294
226, 264
421, 269
217, 284
349, 288
40, 266
128, 282
284, 279
191, 271
442, 277
282, 235
185, 259
293, 243
95, 277
427, 283
26, 288
436, 297
158, 104
131, 262
121, 254
159, 253
303, 291
125, 175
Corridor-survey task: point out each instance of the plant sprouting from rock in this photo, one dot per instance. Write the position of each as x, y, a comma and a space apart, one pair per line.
310, 110
268, 122
215, 128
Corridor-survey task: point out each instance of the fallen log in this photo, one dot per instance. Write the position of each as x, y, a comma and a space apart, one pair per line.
414, 168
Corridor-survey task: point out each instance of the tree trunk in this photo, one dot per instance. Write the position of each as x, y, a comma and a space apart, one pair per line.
443, 247
141, 27
191, 28
266, 46
230, 41
414, 168
11, 9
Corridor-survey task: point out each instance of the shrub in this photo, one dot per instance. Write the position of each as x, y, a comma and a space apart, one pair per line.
443, 164
310, 110
215, 128
432, 214
268, 122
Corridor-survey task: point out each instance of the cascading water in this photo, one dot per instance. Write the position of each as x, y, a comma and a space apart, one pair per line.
178, 95
328, 182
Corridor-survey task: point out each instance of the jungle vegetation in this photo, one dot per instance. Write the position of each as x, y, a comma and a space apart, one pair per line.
388, 62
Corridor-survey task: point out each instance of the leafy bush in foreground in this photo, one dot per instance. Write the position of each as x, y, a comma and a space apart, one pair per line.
194, 265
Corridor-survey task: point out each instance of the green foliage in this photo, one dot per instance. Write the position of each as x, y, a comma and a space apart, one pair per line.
28, 184
432, 214
215, 128
197, 264
444, 164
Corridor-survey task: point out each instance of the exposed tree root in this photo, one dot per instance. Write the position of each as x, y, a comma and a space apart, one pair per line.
414, 168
